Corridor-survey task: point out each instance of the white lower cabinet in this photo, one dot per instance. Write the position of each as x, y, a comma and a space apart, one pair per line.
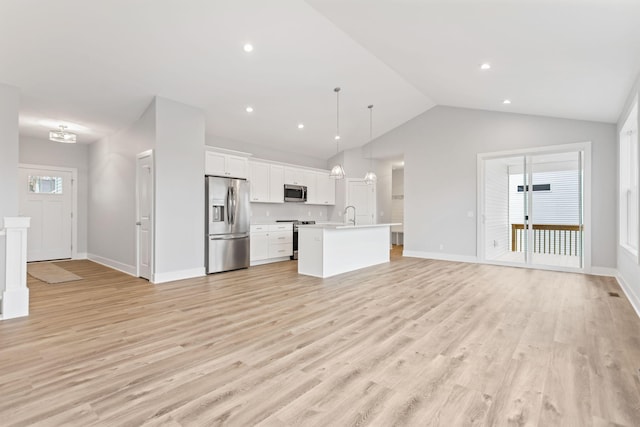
271, 242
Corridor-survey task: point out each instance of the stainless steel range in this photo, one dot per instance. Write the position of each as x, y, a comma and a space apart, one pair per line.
295, 233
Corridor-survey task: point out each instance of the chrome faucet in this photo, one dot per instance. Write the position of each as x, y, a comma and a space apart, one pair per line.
354, 214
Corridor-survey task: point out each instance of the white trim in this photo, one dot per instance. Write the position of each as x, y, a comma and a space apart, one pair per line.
633, 298
604, 271
596, 271
227, 151
441, 256
116, 265
268, 261
172, 276
147, 153
586, 201
74, 199
81, 255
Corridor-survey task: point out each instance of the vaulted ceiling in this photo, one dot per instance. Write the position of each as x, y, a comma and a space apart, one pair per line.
96, 65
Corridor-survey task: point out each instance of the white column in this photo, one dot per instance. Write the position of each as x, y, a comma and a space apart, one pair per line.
15, 298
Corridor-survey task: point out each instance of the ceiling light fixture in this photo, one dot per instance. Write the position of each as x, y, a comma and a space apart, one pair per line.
61, 135
506, 101
248, 47
249, 109
485, 66
370, 177
300, 125
337, 172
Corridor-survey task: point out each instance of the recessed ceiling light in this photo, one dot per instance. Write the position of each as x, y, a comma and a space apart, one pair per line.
300, 125
248, 47
337, 137
485, 66
249, 109
506, 101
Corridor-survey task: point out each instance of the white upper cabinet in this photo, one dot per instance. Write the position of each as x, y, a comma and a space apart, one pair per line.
228, 165
325, 190
259, 181
267, 182
276, 184
294, 176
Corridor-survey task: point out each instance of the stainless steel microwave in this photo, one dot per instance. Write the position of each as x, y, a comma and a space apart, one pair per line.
295, 193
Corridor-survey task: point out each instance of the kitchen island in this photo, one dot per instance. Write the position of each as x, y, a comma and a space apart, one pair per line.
325, 250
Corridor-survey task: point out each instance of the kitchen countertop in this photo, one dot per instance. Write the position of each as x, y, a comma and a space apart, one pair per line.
341, 226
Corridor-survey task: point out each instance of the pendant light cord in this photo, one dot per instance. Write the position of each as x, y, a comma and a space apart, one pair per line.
371, 136
337, 91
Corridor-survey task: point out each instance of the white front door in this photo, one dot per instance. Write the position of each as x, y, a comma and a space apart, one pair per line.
363, 197
144, 202
46, 196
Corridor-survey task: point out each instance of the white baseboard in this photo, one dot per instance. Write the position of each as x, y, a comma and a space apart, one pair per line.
178, 275
116, 265
440, 256
81, 255
604, 271
269, 261
633, 298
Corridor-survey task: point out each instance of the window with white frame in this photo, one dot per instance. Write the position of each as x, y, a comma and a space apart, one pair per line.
629, 182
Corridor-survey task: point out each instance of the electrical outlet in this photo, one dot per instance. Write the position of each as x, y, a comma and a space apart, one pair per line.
309, 212
470, 214
441, 246
267, 213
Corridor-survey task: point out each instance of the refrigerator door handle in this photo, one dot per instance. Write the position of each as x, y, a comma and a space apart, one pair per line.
234, 206
228, 205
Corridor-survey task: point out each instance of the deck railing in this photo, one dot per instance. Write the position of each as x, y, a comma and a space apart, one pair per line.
556, 239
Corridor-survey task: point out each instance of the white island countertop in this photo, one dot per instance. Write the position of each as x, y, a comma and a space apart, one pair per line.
341, 226
325, 250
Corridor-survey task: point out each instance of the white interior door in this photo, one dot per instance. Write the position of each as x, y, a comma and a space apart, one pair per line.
363, 197
144, 224
46, 196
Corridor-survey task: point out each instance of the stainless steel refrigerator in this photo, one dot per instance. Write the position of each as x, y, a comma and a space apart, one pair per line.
227, 224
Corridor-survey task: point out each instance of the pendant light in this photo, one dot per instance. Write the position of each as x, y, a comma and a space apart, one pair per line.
337, 172
370, 177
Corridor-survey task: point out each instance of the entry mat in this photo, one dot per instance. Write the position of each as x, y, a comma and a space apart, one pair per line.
50, 273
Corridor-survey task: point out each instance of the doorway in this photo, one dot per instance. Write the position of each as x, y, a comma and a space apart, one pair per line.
144, 215
534, 208
48, 195
362, 196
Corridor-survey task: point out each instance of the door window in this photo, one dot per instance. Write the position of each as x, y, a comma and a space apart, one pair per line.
45, 184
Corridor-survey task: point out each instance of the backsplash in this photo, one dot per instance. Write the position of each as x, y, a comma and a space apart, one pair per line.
264, 212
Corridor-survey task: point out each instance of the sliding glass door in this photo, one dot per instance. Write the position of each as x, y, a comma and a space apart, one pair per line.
533, 209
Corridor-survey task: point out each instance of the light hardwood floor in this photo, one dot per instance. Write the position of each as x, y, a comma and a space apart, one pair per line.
412, 342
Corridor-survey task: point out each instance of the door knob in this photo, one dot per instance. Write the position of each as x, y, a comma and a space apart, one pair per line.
138, 223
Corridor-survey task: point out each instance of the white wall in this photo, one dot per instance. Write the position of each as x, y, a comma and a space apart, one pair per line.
384, 171
440, 148
267, 153
44, 152
628, 268
179, 195
9, 107
112, 195
397, 202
